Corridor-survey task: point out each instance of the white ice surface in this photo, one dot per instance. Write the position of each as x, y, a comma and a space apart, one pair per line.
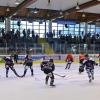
74, 86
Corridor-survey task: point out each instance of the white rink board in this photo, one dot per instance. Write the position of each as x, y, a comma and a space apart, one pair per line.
73, 87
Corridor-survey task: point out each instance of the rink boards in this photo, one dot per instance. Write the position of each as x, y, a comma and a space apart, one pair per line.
58, 58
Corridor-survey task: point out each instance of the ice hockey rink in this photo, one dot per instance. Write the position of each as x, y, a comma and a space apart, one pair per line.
74, 86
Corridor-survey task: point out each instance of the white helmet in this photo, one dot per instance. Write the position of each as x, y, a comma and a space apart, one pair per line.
92, 59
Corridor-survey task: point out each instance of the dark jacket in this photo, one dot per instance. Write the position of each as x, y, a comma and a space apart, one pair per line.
8, 62
89, 64
47, 67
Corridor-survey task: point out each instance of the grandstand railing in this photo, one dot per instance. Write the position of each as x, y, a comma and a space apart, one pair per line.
58, 48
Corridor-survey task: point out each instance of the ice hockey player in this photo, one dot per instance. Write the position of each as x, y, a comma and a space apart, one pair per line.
69, 60
89, 66
9, 64
81, 59
28, 64
48, 67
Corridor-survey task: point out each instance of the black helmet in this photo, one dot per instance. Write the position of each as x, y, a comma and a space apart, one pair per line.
51, 60
86, 55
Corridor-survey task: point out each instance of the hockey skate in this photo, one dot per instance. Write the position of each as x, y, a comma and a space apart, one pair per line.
51, 84
6, 76
46, 82
90, 80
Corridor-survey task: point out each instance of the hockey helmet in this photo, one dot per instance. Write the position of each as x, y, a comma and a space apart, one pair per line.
92, 59
86, 55
51, 60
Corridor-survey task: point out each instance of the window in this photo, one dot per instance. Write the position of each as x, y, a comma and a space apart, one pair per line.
36, 23
57, 29
54, 24
36, 27
42, 27
98, 29
2, 28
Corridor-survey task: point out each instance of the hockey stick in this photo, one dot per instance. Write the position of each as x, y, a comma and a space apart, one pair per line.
59, 75
15, 73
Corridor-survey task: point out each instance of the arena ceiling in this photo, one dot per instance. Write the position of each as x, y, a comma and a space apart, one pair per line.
52, 9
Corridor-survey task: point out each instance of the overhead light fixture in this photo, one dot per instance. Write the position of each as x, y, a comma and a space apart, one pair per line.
98, 20
8, 9
48, 15
83, 15
77, 6
35, 10
61, 12
60, 16
53, 19
15, 14
17, 2
89, 22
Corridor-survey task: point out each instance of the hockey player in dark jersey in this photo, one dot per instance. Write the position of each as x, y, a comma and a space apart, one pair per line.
48, 67
89, 66
9, 65
28, 64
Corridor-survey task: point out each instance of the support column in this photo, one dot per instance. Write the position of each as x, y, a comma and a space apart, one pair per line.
50, 26
7, 25
45, 30
87, 45
86, 28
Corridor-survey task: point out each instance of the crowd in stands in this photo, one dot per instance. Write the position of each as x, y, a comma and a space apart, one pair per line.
76, 39
30, 37
85, 39
15, 36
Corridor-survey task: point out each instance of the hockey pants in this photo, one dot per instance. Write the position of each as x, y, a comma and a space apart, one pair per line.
68, 65
52, 78
90, 73
26, 68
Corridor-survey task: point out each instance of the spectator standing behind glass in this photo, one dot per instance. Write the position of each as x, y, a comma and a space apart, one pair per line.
16, 57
